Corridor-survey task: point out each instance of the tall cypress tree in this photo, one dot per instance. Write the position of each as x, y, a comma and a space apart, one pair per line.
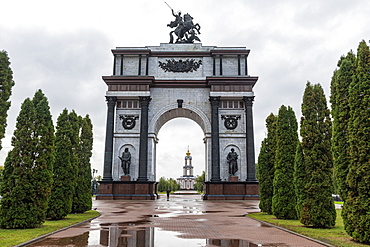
76, 122
82, 200
318, 207
44, 149
6, 191
284, 199
300, 176
6, 84
60, 203
356, 213
265, 166
339, 99
23, 204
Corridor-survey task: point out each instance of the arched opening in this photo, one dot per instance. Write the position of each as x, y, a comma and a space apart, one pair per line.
174, 138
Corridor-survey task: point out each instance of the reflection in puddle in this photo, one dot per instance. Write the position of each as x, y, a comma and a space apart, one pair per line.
115, 235
230, 243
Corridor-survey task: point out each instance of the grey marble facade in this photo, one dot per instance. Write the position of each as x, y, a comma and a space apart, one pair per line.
222, 73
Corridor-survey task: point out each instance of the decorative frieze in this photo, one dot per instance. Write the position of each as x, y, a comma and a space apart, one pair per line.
180, 66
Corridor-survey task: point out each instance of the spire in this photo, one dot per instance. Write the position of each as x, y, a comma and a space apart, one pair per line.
188, 152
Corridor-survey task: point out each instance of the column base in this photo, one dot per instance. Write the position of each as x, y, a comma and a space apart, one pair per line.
231, 191
127, 190
125, 178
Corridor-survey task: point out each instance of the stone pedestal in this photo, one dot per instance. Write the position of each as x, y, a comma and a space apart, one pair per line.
126, 178
231, 190
233, 179
127, 190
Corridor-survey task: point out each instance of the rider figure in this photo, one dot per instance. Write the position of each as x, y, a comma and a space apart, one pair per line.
177, 21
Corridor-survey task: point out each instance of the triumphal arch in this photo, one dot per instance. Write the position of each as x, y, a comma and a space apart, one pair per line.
151, 85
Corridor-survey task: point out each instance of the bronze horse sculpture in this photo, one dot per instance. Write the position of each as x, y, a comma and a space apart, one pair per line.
186, 31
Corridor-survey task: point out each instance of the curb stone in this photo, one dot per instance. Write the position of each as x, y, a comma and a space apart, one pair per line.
292, 232
50, 233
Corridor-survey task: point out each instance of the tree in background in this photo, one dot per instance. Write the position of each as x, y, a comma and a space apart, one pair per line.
265, 166
23, 200
284, 199
6, 84
60, 203
162, 185
199, 180
317, 208
339, 99
356, 212
167, 184
82, 200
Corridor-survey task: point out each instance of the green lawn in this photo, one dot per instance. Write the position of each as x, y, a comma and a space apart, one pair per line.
334, 236
10, 237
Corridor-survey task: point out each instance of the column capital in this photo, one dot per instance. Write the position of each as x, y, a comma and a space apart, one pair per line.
111, 100
248, 100
215, 100
144, 100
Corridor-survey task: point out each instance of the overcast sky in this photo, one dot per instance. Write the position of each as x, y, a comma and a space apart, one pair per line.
64, 48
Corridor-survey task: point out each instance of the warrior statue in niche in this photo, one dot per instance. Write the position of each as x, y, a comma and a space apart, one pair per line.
232, 159
125, 161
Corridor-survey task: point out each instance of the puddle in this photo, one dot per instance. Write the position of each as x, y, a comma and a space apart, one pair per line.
115, 235
175, 210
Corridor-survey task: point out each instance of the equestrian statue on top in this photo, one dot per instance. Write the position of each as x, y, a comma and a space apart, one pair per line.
185, 30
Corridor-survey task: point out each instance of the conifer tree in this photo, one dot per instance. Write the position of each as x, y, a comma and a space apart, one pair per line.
82, 201
300, 176
339, 99
356, 212
6, 191
6, 84
74, 136
318, 206
23, 203
60, 203
284, 199
265, 166
44, 160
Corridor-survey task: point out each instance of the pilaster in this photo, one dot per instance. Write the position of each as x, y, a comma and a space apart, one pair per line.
251, 164
143, 150
215, 139
108, 154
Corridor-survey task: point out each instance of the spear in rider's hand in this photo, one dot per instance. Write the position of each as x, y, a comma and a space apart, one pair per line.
168, 6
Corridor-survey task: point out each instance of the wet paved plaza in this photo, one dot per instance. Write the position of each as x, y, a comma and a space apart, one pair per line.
184, 220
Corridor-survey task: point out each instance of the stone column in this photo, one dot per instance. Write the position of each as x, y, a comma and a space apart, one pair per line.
143, 150
108, 154
215, 103
251, 165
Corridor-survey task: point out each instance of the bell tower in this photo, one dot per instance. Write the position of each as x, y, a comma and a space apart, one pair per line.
188, 168
187, 180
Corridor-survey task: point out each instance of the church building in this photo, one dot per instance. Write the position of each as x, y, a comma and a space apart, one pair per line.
187, 180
